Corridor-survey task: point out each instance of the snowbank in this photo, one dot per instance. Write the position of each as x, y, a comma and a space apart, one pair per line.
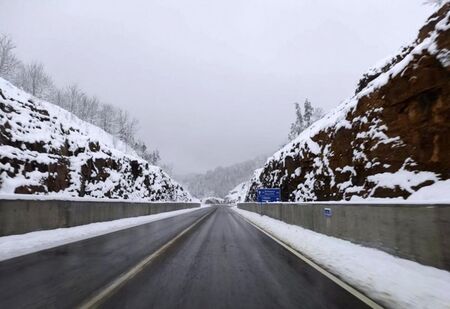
389, 280
17, 245
437, 192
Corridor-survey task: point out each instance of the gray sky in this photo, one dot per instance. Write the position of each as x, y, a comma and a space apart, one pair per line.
211, 82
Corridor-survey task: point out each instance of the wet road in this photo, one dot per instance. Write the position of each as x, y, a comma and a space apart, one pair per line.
223, 262
63, 277
227, 263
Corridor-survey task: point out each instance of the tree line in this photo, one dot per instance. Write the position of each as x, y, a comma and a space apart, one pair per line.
32, 78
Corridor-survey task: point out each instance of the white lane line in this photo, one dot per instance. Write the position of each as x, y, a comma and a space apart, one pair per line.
369, 302
106, 292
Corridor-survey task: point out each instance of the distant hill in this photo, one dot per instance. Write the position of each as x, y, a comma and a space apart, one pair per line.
221, 180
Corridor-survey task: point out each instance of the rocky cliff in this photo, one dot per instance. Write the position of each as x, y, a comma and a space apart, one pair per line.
389, 140
47, 150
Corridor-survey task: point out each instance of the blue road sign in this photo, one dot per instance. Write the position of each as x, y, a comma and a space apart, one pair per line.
269, 195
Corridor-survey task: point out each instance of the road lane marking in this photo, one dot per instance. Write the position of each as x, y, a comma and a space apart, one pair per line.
369, 302
106, 292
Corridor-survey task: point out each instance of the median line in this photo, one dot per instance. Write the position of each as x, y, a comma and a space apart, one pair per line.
111, 288
369, 302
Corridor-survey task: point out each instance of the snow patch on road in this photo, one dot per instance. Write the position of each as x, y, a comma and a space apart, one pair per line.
17, 245
393, 282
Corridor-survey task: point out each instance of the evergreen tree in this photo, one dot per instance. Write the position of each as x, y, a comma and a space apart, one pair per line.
298, 125
308, 113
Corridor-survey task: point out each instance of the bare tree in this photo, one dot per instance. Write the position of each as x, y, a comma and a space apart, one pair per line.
154, 157
33, 79
92, 111
121, 125
8, 61
74, 96
107, 118
57, 97
317, 114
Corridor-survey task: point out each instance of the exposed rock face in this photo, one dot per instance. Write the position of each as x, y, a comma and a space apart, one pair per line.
389, 140
47, 150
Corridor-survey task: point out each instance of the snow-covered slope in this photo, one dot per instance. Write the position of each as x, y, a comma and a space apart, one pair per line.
239, 193
47, 150
389, 140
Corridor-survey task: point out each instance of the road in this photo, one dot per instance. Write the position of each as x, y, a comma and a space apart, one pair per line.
65, 276
223, 262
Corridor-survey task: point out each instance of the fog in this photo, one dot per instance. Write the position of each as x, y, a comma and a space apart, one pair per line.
211, 82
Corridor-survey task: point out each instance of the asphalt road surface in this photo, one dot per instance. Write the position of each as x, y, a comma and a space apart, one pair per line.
223, 262
63, 277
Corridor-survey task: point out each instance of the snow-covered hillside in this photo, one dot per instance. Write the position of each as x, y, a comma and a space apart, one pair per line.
239, 193
387, 141
219, 181
47, 150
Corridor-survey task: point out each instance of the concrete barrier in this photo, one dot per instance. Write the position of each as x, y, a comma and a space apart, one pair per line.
417, 232
23, 216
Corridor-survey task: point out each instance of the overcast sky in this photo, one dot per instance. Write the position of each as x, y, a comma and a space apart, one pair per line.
211, 82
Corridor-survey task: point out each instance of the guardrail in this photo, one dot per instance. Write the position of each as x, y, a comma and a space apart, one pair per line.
417, 232
23, 216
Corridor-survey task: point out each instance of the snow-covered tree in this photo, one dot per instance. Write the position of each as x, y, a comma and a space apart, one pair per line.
8, 61
308, 113
33, 79
126, 127
302, 121
152, 157
92, 109
106, 118
73, 97
317, 114
298, 125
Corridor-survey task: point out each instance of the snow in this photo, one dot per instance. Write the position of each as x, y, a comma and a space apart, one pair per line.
17, 245
27, 121
238, 194
437, 192
402, 178
389, 280
372, 133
